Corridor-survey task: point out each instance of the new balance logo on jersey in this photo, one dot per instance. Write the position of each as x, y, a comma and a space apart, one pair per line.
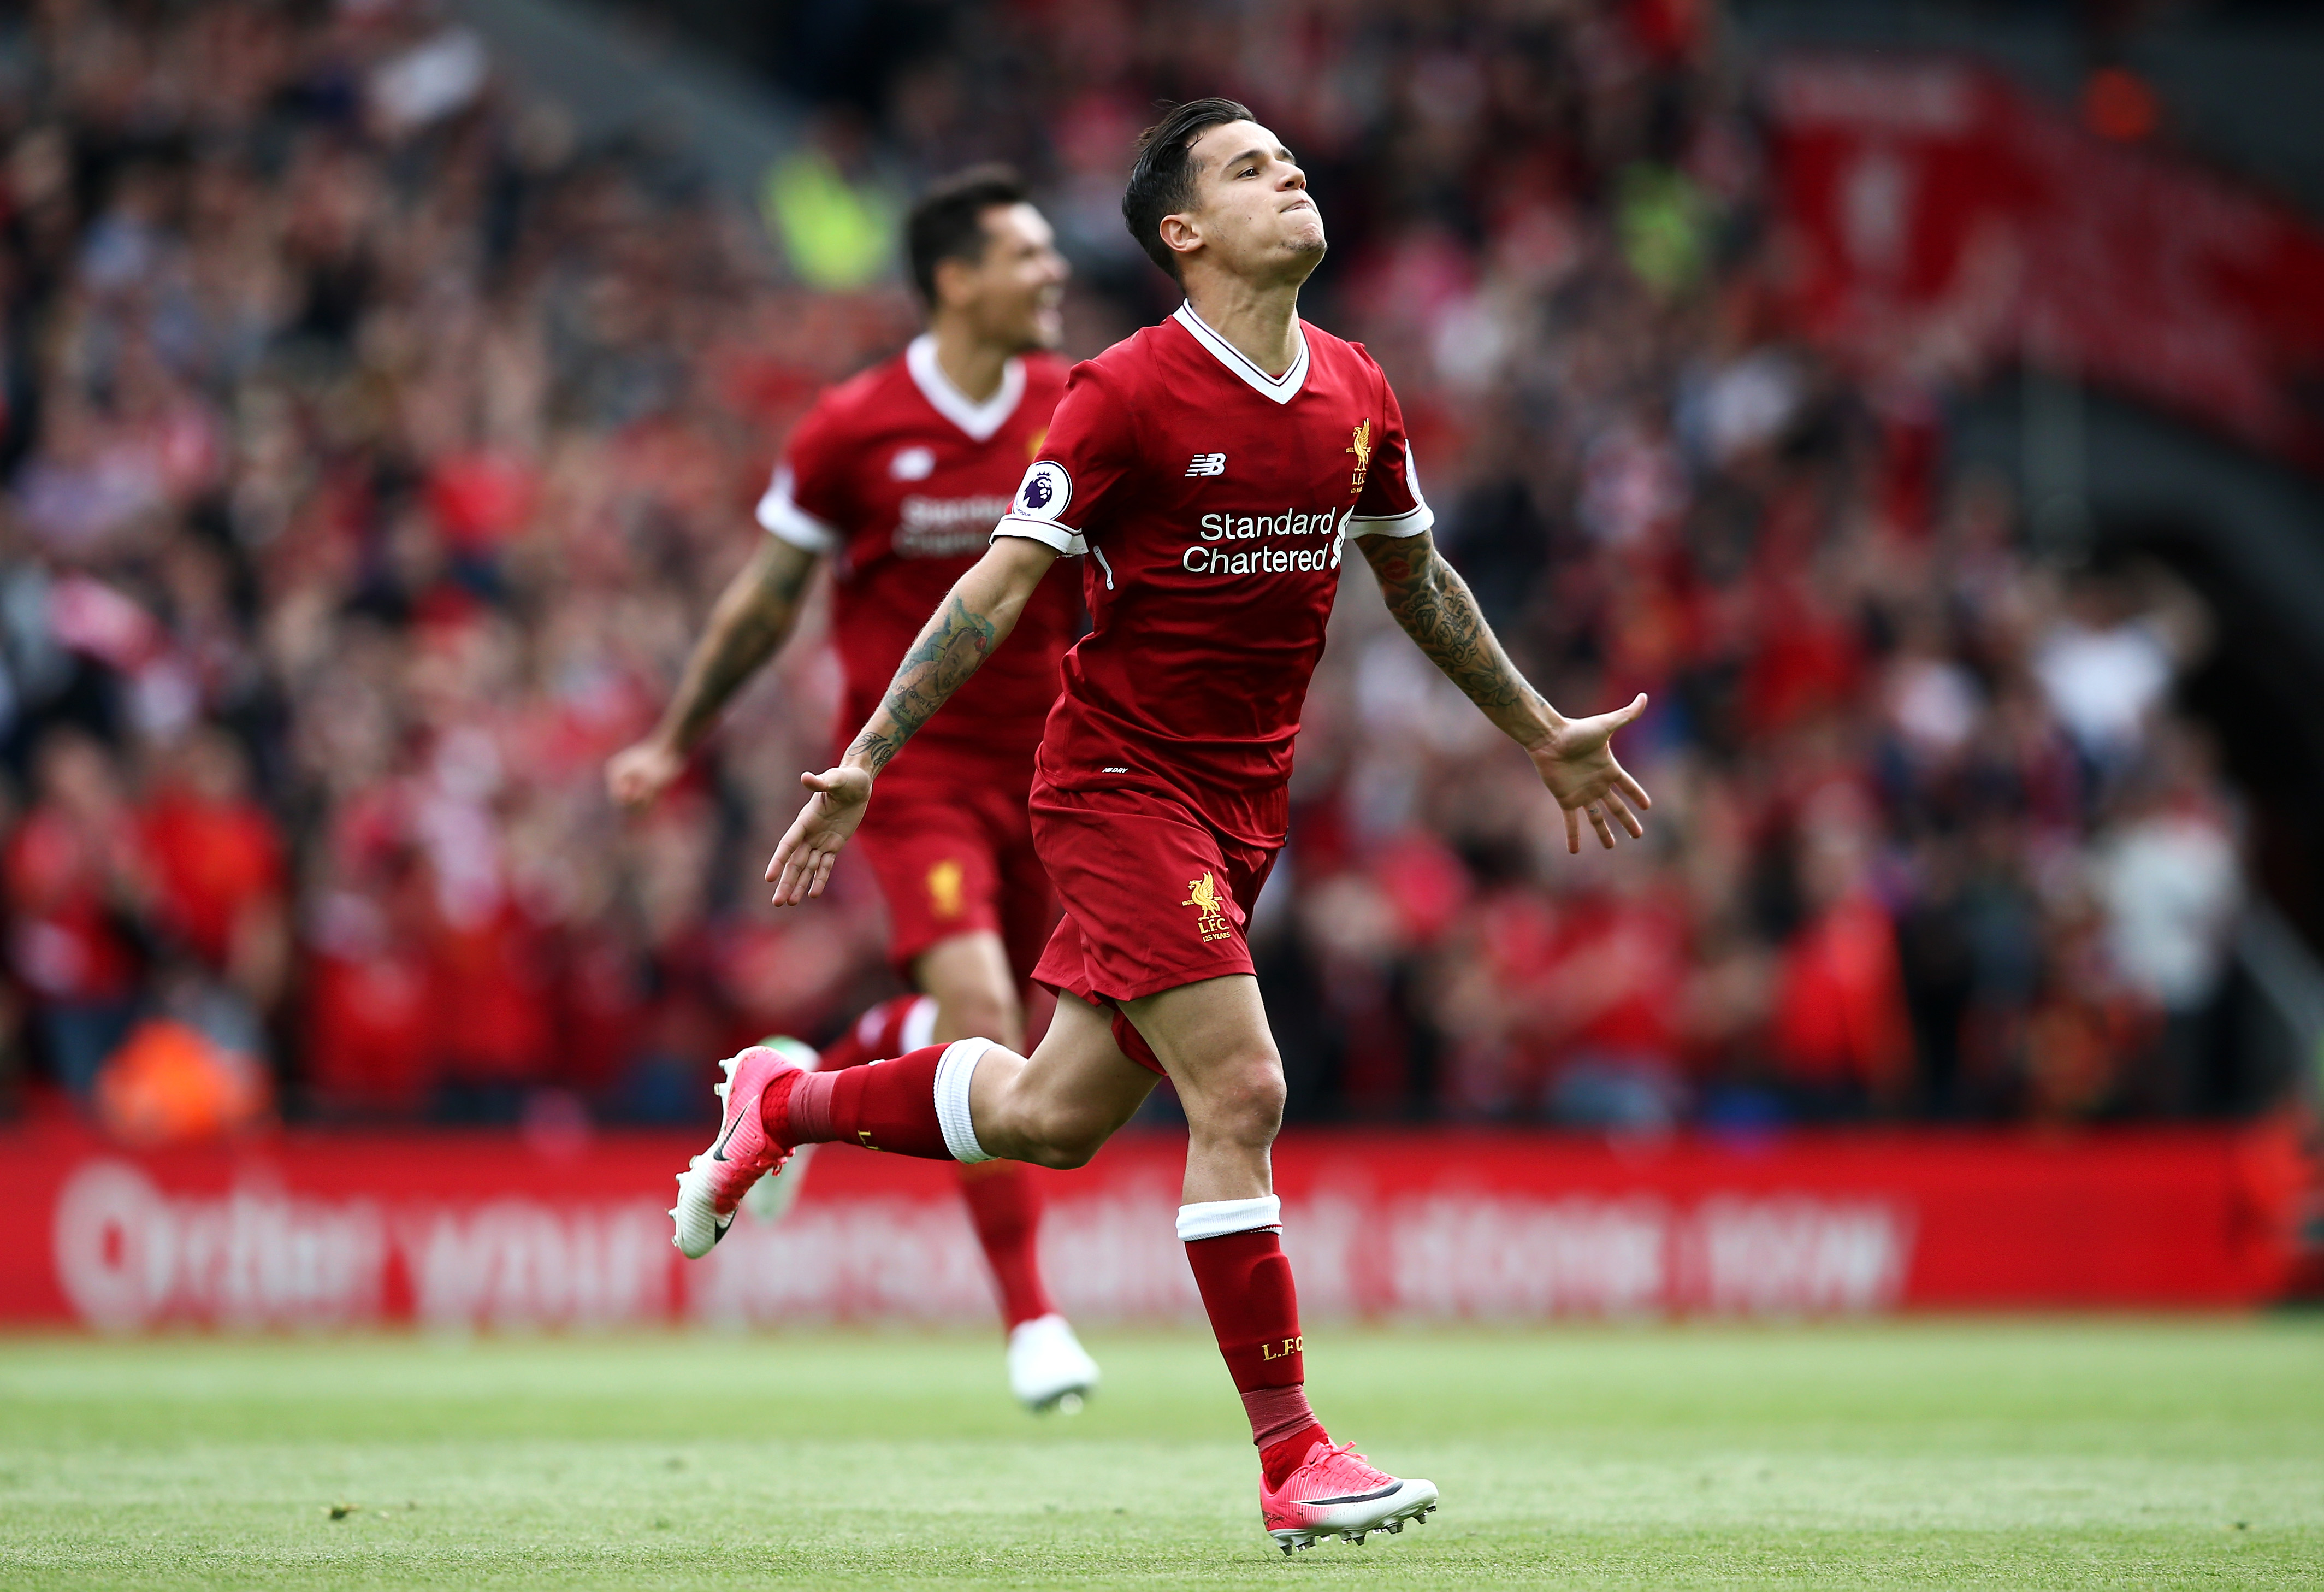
1207, 464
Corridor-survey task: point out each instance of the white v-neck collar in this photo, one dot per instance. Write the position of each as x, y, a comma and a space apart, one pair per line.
979, 421
1283, 389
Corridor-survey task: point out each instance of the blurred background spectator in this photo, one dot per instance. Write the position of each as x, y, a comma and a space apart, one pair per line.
374, 441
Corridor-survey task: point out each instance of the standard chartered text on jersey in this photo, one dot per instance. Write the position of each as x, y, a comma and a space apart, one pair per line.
1232, 527
1199, 559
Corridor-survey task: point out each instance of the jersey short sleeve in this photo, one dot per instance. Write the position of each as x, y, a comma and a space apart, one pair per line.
805, 505
1390, 503
1091, 449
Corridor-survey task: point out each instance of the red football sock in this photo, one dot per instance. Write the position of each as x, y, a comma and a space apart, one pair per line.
879, 1032
1247, 1290
1246, 1287
1277, 1461
1283, 1429
1005, 1206
888, 1106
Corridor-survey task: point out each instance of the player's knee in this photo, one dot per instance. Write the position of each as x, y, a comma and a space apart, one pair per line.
1245, 1104
1060, 1151
1031, 1125
1065, 1139
1064, 1155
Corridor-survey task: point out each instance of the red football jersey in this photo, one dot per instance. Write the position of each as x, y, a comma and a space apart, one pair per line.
898, 479
1215, 503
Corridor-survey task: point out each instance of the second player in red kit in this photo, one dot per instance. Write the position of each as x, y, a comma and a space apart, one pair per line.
894, 480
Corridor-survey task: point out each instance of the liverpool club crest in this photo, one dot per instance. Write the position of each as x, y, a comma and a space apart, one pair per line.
1210, 914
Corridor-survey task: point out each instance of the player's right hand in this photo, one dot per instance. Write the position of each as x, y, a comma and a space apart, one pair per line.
1576, 761
802, 863
636, 776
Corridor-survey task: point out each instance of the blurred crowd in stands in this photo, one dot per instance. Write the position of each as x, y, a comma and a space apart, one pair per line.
373, 446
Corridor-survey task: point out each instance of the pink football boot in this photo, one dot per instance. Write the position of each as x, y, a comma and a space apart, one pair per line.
714, 1183
1336, 1493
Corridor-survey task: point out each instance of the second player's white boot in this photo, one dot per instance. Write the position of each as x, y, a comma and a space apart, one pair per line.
1048, 1366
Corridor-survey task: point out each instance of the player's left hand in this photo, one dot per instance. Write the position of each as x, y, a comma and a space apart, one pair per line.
1576, 761
636, 776
801, 866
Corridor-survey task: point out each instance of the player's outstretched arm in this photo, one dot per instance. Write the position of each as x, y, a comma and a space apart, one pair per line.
753, 618
1575, 756
975, 616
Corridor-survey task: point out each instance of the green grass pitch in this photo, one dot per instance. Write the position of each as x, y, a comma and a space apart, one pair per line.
1930, 1454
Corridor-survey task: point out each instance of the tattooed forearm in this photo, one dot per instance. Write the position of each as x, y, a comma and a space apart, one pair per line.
753, 617
1439, 612
975, 616
952, 647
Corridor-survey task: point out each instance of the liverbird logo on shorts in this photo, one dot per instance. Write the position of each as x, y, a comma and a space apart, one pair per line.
1210, 919
1362, 448
947, 889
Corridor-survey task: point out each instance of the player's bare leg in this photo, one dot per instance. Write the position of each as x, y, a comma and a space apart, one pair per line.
1214, 1039
1058, 1106
975, 992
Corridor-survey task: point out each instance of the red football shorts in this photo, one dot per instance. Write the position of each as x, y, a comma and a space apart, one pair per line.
1154, 896
956, 858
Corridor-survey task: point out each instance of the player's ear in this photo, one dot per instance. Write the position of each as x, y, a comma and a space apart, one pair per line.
955, 282
1179, 233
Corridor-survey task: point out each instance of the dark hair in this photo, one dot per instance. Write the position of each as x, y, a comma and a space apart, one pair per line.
947, 221
1162, 179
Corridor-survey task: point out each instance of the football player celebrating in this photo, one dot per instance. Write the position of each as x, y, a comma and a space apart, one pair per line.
896, 478
1214, 469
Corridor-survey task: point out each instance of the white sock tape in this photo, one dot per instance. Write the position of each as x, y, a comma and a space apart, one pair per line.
1215, 1218
954, 1068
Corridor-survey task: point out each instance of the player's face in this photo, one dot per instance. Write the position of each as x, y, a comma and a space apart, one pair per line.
1013, 293
1251, 209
